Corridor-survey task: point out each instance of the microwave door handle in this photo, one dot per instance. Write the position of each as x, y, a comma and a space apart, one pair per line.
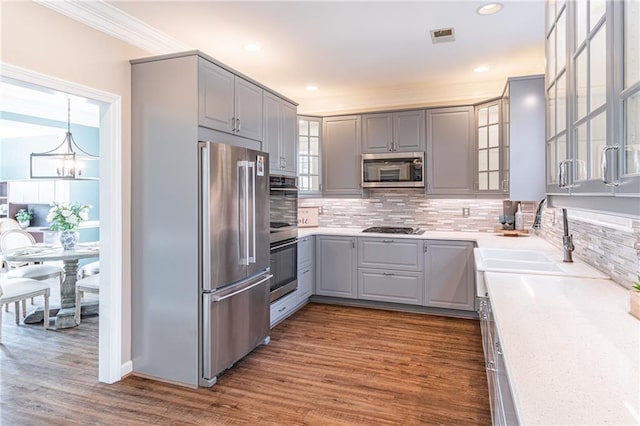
252, 254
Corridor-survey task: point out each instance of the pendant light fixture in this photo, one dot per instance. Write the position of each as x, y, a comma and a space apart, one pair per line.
63, 162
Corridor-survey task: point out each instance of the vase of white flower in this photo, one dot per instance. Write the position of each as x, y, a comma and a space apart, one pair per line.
67, 219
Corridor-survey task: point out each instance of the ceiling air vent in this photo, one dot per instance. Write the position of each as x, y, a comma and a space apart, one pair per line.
443, 35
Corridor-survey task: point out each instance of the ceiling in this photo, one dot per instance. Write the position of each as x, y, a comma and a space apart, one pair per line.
362, 55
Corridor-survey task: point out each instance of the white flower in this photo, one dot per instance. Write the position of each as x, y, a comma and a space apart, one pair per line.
66, 212
50, 216
73, 219
84, 214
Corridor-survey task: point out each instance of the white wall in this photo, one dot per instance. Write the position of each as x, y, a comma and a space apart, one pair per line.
40, 40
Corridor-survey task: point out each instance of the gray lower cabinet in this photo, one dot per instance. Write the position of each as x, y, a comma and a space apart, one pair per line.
341, 156
306, 268
383, 253
449, 274
450, 143
390, 286
336, 266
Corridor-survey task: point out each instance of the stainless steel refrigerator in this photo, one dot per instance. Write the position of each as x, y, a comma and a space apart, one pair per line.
235, 255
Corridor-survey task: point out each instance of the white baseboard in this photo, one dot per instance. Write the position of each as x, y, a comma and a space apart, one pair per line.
126, 368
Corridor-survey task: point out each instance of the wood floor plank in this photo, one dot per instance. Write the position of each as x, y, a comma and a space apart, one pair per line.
326, 365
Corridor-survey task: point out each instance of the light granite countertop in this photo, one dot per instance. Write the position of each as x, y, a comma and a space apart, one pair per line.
572, 350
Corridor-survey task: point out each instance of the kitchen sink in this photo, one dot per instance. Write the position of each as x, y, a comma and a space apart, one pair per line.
530, 262
526, 255
521, 266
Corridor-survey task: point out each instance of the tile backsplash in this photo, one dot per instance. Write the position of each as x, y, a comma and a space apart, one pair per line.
609, 249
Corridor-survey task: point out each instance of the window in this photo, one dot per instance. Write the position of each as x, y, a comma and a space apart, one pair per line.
488, 162
309, 178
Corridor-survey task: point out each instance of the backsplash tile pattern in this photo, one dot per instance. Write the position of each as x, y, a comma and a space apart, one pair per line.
609, 250
410, 208
605, 248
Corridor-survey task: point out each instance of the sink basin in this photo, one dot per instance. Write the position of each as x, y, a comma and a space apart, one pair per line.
526, 255
521, 266
530, 262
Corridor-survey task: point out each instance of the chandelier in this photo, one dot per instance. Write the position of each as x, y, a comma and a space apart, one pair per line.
63, 162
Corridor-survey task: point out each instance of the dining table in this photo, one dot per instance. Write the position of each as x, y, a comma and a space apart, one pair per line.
65, 313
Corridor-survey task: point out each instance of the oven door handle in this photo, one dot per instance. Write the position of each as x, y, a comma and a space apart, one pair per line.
290, 189
284, 245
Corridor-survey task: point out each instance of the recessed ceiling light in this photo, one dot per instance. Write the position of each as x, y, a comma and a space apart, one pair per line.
481, 69
489, 9
312, 88
252, 47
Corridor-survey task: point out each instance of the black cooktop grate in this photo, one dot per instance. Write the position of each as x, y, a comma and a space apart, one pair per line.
391, 230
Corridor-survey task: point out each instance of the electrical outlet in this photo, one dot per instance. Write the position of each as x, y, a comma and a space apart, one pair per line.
465, 212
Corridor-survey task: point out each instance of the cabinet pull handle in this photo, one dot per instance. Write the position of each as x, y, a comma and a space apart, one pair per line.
388, 274
604, 166
353, 243
237, 124
561, 174
282, 309
306, 272
233, 124
387, 241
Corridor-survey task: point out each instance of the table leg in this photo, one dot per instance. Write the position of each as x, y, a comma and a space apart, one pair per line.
66, 314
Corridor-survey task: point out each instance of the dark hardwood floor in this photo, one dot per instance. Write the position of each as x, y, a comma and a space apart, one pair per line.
325, 365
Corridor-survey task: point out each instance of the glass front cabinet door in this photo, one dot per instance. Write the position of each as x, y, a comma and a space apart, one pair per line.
593, 97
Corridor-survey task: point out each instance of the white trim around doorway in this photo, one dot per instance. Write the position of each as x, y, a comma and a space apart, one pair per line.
110, 365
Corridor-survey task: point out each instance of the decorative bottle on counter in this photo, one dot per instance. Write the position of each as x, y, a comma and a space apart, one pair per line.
519, 219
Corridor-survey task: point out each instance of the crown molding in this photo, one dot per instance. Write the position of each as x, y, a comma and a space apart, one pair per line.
112, 21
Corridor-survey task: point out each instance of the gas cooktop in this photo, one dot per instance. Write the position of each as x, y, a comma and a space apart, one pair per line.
393, 230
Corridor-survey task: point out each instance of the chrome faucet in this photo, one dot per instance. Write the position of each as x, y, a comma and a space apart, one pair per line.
567, 240
537, 222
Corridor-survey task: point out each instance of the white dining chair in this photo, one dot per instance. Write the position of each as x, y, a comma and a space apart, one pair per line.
91, 268
91, 284
17, 290
17, 238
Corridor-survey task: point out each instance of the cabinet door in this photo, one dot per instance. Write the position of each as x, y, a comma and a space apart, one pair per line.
377, 133
341, 156
215, 97
306, 251
450, 151
305, 283
336, 267
289, 145
408, 131
449, 275
272, 131
389, 253
248, 109
390, 286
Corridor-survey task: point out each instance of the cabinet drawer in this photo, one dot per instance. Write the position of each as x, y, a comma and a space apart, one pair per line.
282, 308
390, 286
306, 251
390, 253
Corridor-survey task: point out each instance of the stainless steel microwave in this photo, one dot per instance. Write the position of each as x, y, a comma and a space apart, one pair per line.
394, 170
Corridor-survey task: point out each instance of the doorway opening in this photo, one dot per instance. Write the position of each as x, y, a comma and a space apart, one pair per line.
109, 106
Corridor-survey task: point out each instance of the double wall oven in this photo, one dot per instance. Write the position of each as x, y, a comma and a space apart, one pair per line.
283, 203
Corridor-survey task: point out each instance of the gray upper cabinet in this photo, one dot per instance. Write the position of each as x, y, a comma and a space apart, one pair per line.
450, 275
341, 156
228, 103
393, 132
336, 266
593, 98
280, 134
526, 127
450, 163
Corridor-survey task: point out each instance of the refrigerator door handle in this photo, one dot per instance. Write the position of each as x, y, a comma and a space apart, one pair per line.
215, 298
243, 213
252, 254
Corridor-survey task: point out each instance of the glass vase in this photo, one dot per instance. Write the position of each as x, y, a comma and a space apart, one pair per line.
69, 239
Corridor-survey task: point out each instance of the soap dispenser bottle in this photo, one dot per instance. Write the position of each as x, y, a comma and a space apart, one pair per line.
519, 219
